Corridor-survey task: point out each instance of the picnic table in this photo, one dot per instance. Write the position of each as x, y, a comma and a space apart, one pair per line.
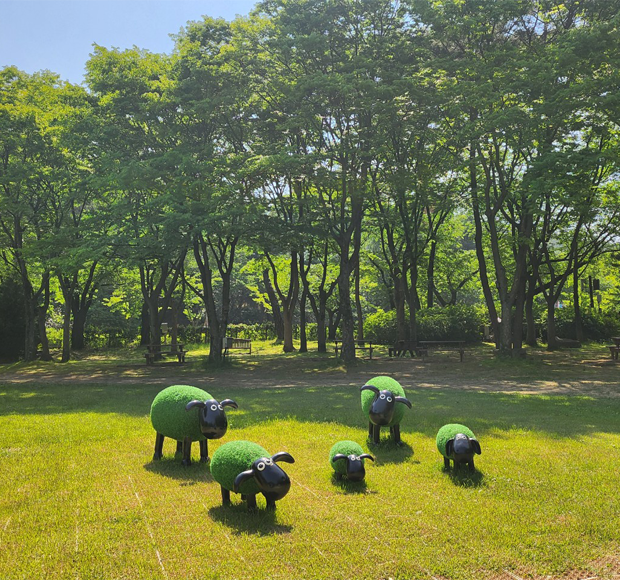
155, 352
402, 347
451, 344
359, 345
614, 349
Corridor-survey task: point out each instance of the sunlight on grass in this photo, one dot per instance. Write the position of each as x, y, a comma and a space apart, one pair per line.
82, 499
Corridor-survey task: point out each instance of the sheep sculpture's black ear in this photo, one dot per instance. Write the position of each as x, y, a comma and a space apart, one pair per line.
476, 445
367, 456
229, 403
403, 400
450, 447
193, 404
283, 456
338, 457
241, 478
370, 388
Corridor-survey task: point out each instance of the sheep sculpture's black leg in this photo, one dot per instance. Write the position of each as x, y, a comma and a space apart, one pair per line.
376, 433
159, 447
446, 463
225, 496
251, 499
204, 451
187, 451
271, 504
371, 428
395, 432
179, 451
471, 465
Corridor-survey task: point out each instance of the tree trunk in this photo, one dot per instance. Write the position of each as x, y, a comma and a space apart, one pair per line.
275, 307
145, 333
552, 342
358, 303
402, 329
78, 329
530, 339
347, 324
32, 320
303, 337
576, 301
430, 276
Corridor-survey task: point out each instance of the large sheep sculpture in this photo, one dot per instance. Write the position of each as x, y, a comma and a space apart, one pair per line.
458, 443
379, 398
247, 468
347, 460
188, 414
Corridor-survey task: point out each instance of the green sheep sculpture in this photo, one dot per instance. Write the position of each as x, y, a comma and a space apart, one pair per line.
188, 414
379, 398
347, 460
458, 443
247, 468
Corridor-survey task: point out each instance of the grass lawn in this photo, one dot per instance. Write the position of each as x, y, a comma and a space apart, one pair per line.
81, 498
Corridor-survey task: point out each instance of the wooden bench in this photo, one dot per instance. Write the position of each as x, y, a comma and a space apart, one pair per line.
450, 344
363, 345
155, 352
402, 347
614, 351
229, 343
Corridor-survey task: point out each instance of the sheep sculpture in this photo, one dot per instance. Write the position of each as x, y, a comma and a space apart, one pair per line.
347, 460
188, 414
247, 468
457, 443
379, 398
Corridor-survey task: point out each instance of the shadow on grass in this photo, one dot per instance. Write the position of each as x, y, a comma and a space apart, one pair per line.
260, 522
483, 412
349, 487
465, 478
386, 451
168, 467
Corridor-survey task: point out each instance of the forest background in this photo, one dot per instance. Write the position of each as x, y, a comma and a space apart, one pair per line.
396, 170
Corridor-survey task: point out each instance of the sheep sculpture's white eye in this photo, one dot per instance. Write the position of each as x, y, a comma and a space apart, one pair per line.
214, 407
268, 462
353, 458
389, 399
382, 396
220, 407
260, 466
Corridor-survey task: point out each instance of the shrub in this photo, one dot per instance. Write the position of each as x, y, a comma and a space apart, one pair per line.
597, 326
459, 322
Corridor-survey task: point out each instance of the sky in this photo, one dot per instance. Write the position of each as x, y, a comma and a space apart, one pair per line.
59, 35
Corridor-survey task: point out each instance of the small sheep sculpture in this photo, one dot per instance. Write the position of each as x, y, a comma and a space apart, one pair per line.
246, 468
188, 414
457, 443
379, 398
347, 460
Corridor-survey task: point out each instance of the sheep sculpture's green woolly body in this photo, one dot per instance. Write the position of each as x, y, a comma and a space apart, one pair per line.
168, 414
346, 448
447, 432
233, 458
385, 384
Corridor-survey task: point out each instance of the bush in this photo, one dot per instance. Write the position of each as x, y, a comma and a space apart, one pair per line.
598, 327
460, 322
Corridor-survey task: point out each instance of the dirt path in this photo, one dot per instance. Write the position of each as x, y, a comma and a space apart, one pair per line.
543, 374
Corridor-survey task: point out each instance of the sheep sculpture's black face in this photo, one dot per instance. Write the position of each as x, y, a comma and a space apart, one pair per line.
271, 479
382, 407
213, 421
355, 465
461, 448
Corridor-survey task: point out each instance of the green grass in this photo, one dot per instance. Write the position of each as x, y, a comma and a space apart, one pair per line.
81, 498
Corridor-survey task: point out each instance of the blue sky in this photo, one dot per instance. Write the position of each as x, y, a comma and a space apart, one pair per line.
58, 35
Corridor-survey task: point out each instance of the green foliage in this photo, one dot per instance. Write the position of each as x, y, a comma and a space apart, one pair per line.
597, 326
381, 327
458, 322
12, 321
